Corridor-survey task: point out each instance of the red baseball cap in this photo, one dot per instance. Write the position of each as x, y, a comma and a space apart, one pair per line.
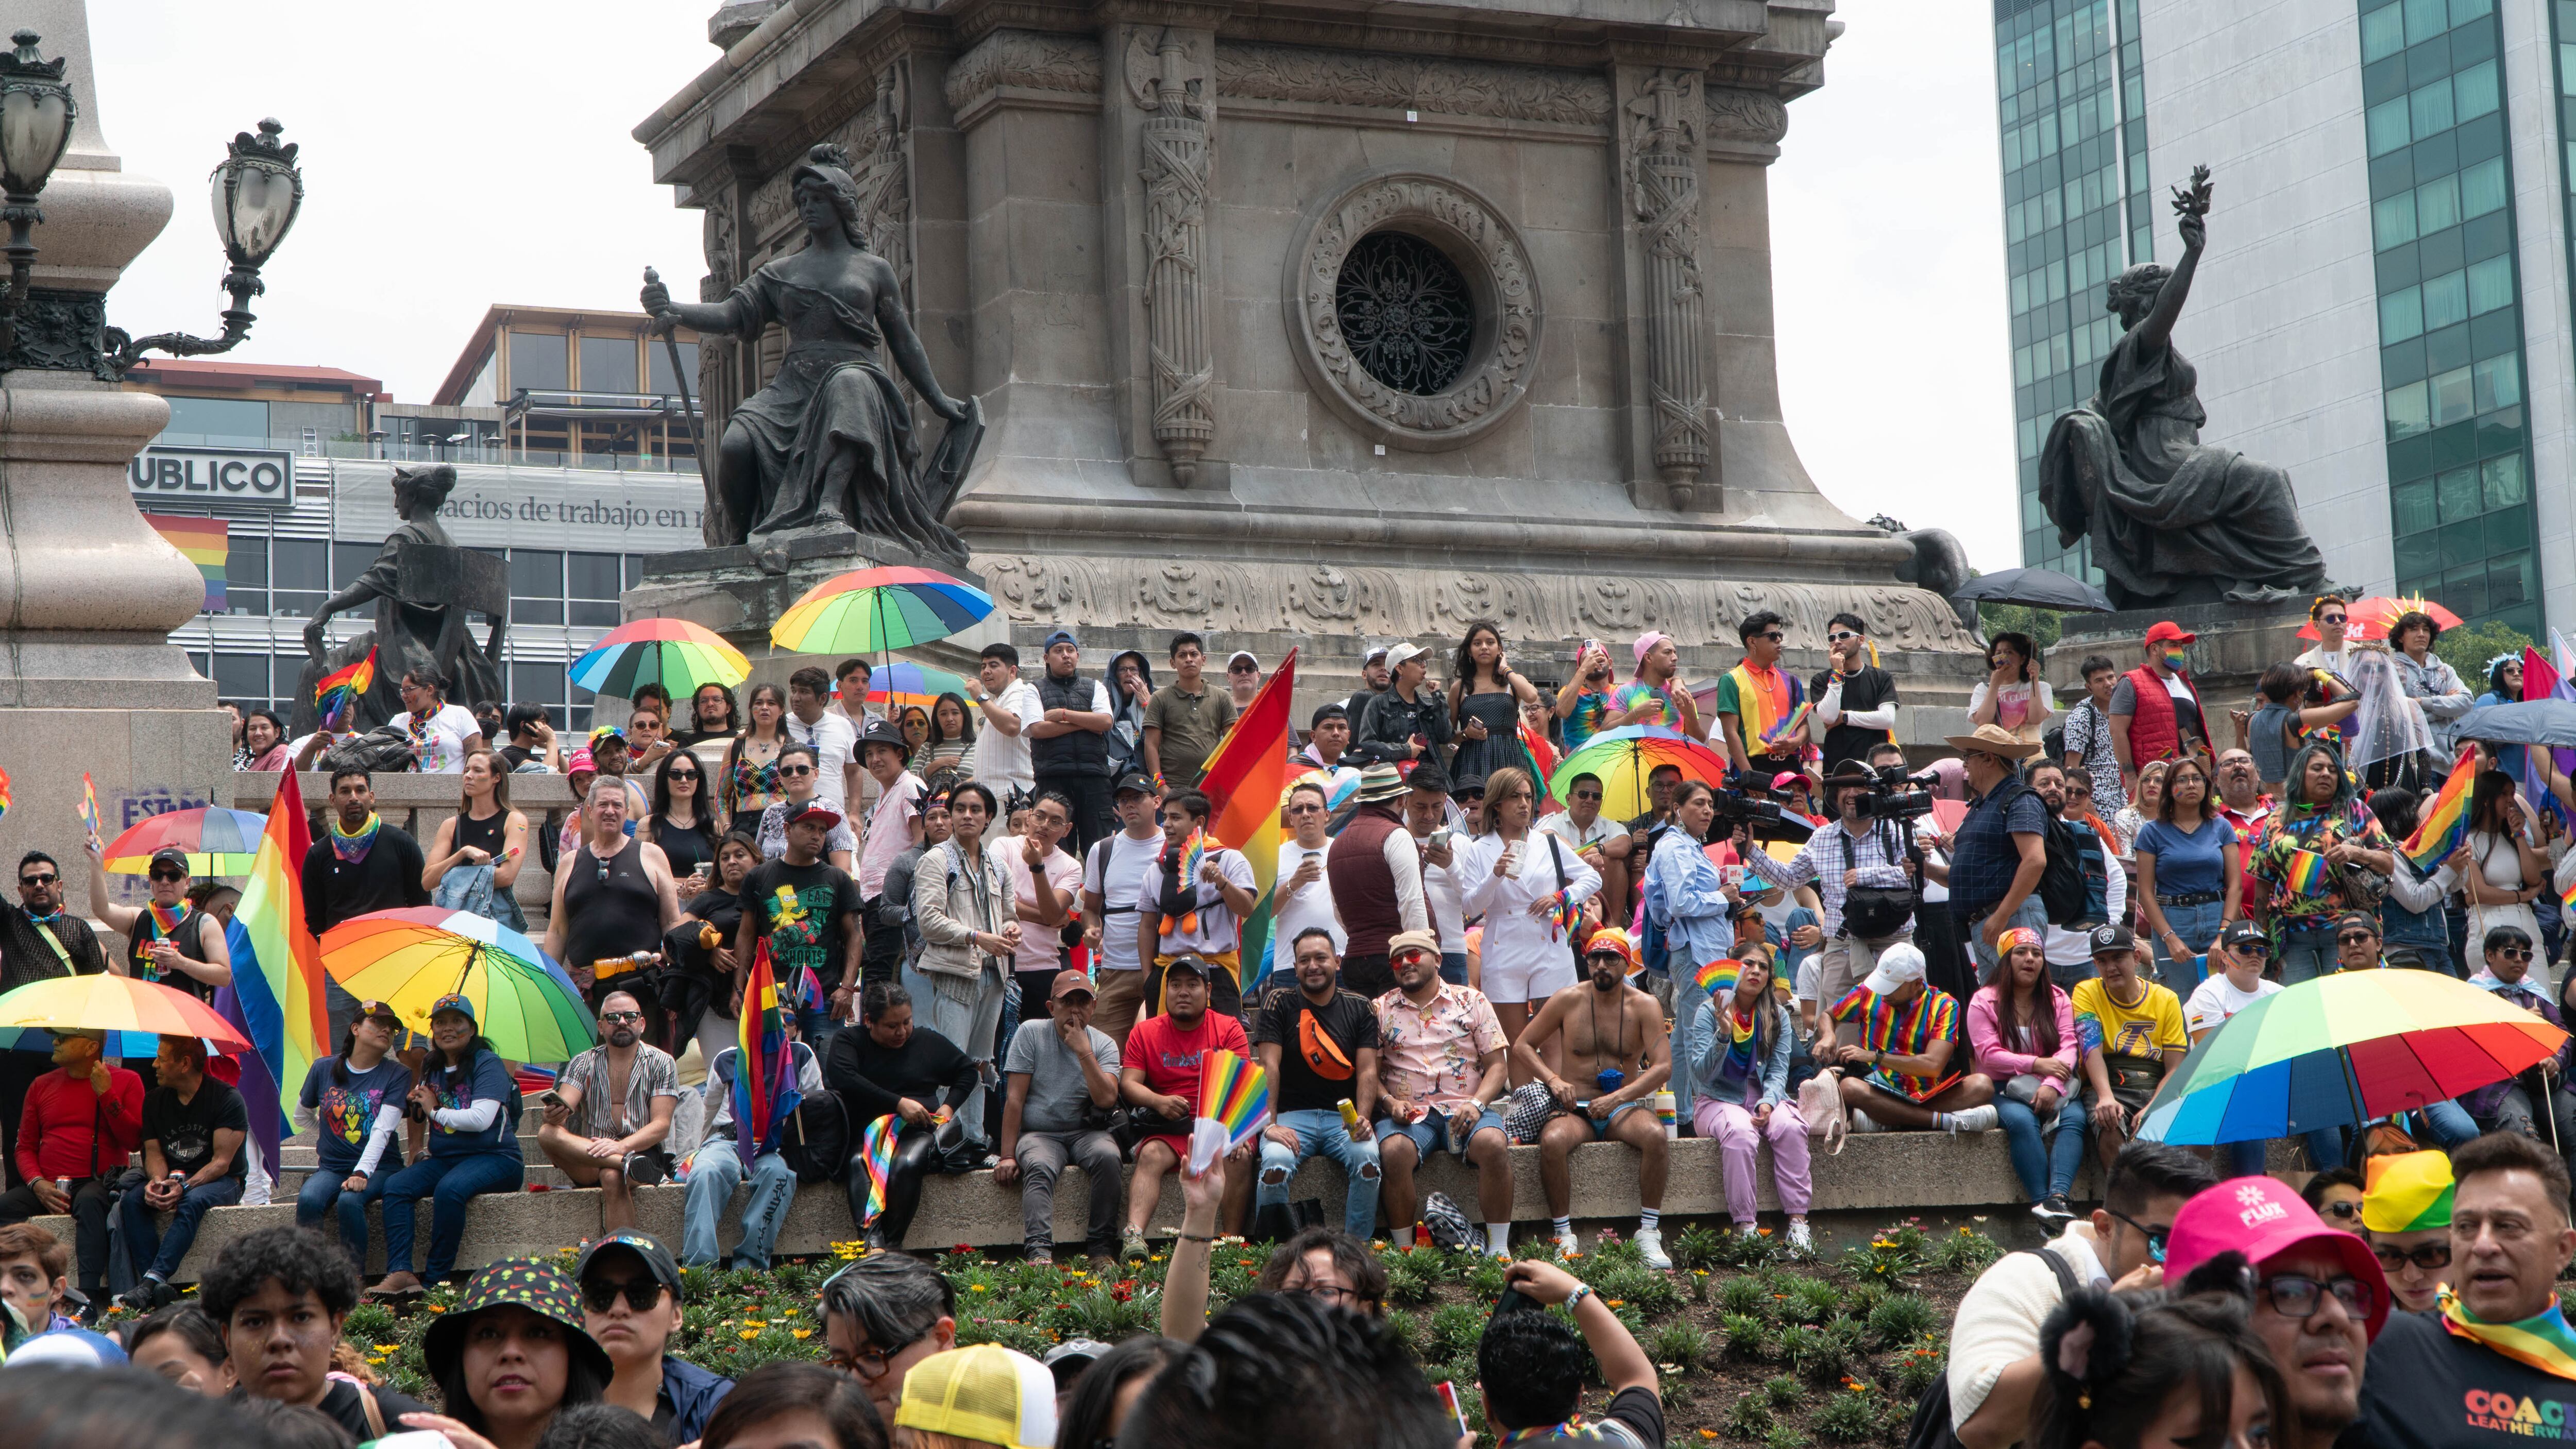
2166, 631
2263, 1219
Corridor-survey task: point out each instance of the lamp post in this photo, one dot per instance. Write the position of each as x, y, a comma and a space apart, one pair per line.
36, 115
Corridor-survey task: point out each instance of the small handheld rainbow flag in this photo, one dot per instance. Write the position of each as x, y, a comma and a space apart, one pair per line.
88, 808
876, 1147
4, 792
1234, 1104
2566, 897
1717, 978
2306, 872
1792, 729
336, 697
2445, 822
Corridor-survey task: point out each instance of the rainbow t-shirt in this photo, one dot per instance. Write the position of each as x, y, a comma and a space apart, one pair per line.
1902, 1029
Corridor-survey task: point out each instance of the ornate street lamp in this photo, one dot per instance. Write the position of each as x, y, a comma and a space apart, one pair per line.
36, 115
257, 192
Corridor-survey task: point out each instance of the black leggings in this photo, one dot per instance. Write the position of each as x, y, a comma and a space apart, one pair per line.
912, 1155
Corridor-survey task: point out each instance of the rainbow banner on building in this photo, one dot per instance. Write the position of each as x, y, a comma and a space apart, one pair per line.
1246, 781
277, 972
204, 542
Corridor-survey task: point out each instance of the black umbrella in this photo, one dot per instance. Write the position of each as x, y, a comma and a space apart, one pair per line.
2530, 722
2040, 589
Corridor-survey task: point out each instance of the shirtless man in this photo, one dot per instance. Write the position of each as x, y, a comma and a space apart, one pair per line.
1616, 1056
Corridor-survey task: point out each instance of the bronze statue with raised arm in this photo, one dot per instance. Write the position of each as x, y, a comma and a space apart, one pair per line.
2172, 520
829, 444
425, 590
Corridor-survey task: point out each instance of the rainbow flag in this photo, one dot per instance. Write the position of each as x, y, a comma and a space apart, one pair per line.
277, 972
1718, 977
88, 808
2541, 681
764, 1074
2567, 897
4, 792
1234, 1093
2445, 822
202, 542
1246, 780
336, 697
876, 1148
1543, 755
2305, 872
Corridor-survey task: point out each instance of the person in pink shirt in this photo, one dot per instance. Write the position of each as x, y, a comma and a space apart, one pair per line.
2021, 1031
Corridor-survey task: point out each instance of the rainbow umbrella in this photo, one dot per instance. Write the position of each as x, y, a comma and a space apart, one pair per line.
673, 653
1623, 759
904, 684
868, 610
2342, 1049
116, 1004
218, 841
411, 957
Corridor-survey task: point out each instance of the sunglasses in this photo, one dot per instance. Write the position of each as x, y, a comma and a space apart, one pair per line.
1775, 635
2156, 1237
2295, 1295
2422, 1255
1240, 669
2337, 619
1587, 794
2252, 948
2348, 1211
640, 1294
169, 875
38, 880
2514, 953
2355, 938
1840, 636
691, 776
796, 769
621, 1016
1307, 809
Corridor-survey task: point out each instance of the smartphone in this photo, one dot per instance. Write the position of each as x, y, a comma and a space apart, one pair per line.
1440, 838
550, 1098
1515, 1301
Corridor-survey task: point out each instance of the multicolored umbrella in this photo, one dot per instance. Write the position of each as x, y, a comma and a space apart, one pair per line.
218, 841
117, 1004
868, 610
411, 957
904, 685
2342, 1049
2371, 618
673, 653
1623, 759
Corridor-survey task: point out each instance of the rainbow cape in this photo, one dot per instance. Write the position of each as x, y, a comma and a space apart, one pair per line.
336, 697
764, 1072
1234, 1104
88, 807
2445, 822
277, 995
876, 1149
2542, 1341
1717, 978
2305, 872
1245, 779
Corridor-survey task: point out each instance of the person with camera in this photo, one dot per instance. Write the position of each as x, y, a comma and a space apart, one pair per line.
1583, 702
611, 1111
1530, 1368
1860, 864
1060, 1087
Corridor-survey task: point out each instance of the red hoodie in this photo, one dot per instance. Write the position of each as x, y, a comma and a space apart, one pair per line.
67, 1122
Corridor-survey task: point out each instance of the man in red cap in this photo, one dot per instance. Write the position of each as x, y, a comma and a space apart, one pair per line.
2319, 1298
2496, 1363
1061, 1081
2156, 711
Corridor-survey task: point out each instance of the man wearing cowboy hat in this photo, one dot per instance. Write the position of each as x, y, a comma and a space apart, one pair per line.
2003, 844
1374, 870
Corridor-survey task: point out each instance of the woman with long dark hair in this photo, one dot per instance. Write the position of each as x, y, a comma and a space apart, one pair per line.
511, 1354
1527, 884
2145, 1370
473, 861
2320, 816
2012, 694
2021, 1029
889, 1067
2503, 874
685, 821
1485, 706
697, 988
951, 737
749, 780
802, 1393
356, 1098
1739, 1075
263, 742
464, 1091
2189, 866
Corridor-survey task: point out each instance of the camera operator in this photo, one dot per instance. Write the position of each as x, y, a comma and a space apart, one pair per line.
1865, 871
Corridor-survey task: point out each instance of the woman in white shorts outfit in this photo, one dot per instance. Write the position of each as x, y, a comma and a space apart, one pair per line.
1515, 877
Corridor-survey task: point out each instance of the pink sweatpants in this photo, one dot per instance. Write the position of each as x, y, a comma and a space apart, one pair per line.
1732, 1129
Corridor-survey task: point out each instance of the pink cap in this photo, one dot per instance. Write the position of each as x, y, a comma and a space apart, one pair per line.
579, 762
2263, 1219
1647, 641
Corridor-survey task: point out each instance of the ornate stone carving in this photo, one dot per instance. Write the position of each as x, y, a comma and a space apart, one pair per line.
1737, 115
1175, 145
1398, 82
1665, 165
1024, 60
58, 331
883, 144
1471, 232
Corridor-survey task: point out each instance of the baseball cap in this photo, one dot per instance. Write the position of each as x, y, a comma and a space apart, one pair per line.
2364, 919
456, 1002
1242, 656
1397, 654
1375, 653
1192, 962
1786, 781
986, 1394
385, 1010
1061, 636
884, 732
1070, 982
648, 1249
2109, 940
1403, 941
2240, 933
170, 855
1467, 785
1135, 782
2166, 631
814, 810
67, 1348
579, 762
2408, 1192
2263, 1219
1068, 1359
1897, 965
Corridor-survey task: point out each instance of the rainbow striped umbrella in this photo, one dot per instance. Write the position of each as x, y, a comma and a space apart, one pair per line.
904, 684
868, 610
115, 1004
218, 841
673, 653
411, 957
2342, 1049
1623, 759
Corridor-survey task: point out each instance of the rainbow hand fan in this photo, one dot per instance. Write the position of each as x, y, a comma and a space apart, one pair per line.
2305, 872
1194, 853
1790, 730
89, 810
876, 1147
1234, 1104
1717, 978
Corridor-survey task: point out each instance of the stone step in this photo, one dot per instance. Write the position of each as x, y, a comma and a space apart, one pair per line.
1891, 1172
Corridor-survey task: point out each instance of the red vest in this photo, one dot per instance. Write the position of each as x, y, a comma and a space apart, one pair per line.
2153, 733
1363, 886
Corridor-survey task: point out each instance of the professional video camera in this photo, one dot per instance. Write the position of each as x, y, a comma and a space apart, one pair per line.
1895, 795
1764, 819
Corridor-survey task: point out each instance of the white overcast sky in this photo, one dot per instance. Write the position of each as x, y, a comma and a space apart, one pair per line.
473, 152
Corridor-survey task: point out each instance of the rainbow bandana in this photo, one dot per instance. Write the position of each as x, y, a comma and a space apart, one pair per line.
2019, 936
876, 1150
160, 923
350, 847
2542, 1341
2408, 1192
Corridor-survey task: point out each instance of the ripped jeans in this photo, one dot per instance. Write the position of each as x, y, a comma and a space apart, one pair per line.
1320, 1129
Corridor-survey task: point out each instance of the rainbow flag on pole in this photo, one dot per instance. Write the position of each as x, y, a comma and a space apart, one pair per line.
2541, 681
2445, 822
277, 972
203, 542
1246, 781
764, 1074
337, 696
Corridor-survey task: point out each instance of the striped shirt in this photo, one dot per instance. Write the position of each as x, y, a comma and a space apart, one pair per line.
1901, 1029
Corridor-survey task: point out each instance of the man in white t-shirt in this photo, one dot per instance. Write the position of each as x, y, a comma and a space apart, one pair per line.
1010, 705
1041, 952
894, 826
850, 677
441, 734
1426, 819
1305, 894
811, 720
2242, 951
1113, 890
1602, 842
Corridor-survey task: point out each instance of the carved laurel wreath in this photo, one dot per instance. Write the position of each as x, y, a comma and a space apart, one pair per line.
1487, 248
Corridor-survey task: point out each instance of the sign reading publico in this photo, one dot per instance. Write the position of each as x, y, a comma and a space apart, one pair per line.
222, 478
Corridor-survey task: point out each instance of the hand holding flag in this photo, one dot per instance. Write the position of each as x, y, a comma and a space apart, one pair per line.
89, 812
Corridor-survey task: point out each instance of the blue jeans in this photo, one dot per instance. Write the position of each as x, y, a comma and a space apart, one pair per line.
2448, 1123
2325, 1147
1320, 1129
449, 1182
2307, 952
2045, 1171
713, 1175
322, 1196
158, 1253
2032, 913
1453, 967
2198, 927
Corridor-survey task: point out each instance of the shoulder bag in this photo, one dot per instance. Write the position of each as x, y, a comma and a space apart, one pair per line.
1873, 912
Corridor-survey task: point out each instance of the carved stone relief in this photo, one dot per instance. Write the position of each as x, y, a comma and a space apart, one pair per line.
1406, 83
1739, 115
1665, 165
1024, 60
1169, 80
884, 151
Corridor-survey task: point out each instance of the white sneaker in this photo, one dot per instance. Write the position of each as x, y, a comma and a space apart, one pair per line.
1976, 1119
1747, 1230
1568, 1244
1650, 1244
1801, 1240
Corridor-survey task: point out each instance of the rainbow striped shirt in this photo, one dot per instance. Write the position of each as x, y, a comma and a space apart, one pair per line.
1901, 1030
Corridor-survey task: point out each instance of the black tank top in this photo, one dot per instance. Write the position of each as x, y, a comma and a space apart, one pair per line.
138, 958
612, 916
686, 846
488, 834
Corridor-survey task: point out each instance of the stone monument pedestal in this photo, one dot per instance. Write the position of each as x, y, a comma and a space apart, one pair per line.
740, 592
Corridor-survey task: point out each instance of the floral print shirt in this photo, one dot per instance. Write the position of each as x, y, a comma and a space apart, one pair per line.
2294, 828
1430, 1055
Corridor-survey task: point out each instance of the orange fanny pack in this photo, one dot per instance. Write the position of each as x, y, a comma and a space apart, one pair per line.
1323, 1055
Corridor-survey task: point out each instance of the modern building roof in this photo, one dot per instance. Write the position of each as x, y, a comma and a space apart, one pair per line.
478, 343
180, 372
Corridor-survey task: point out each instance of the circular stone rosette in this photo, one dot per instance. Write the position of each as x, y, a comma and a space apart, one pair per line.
1487, 250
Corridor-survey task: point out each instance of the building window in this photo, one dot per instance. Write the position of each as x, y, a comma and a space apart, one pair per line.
245, 572
591, 587
536, 586
303, 578
658, 366
217, 420
538, 361
243, 678
608, 364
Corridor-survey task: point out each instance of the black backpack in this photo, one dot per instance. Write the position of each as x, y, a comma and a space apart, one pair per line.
2061, 885
1930, 1428
816, 1144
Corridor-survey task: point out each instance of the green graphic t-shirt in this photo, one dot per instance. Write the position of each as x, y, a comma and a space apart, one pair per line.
807, 912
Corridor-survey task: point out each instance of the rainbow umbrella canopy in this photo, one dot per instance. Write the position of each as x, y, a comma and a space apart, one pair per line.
409, 958
1623, 759
2342, 1049
870, 610
673, 653
116, 1004
904, 684
218, 841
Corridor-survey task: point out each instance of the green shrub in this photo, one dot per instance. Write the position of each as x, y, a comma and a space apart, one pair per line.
1748, 1417
1848, 1417
1697, 1246
1783, 1391
1863, 1298
1456, 1329
1485, 1279
1650, 1293
1745, 1294
1405, 1329
1964, 1253
1812, 1300
1901, 1319
1611, 1252
1782, 1436
1747, 1337
1409, 1284
1679, 1343
1813, 1354
1916, 1368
